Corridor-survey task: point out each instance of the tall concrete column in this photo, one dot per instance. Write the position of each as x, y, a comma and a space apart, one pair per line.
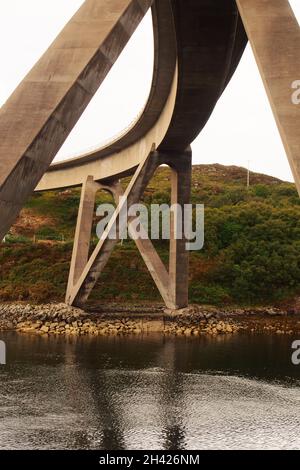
181, 181
83, 231
181, 167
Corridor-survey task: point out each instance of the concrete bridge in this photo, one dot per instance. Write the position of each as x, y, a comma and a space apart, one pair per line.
198, 45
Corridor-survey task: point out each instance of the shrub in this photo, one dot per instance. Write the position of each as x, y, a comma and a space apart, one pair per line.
209, 294
42, 291
12, 239
261, 190
48, 233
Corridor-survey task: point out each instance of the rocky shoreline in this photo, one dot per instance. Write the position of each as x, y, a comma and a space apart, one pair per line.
60, 319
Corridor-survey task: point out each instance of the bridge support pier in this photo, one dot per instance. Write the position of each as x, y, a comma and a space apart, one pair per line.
85, 271
179, 257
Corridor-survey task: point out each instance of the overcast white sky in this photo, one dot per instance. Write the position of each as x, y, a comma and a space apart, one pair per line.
241, 129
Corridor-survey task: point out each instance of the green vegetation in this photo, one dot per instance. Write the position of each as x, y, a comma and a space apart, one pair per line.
251, 253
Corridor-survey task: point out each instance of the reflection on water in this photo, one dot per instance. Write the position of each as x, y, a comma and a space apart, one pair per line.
149, 393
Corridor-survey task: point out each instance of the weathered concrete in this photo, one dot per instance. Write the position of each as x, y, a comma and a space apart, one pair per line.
83, 231
40, 114
181, 181
210, 42
274, 34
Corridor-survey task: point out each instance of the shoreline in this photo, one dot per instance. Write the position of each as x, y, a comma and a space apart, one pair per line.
112, 320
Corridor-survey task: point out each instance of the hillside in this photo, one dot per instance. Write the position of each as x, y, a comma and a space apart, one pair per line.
251, 253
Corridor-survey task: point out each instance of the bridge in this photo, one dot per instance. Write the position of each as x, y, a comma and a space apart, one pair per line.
197, 47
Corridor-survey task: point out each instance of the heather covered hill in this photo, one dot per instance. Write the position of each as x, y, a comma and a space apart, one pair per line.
251, 253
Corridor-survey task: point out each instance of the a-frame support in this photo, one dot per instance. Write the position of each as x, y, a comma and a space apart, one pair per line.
84, 271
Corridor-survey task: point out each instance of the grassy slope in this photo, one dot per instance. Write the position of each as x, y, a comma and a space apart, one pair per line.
251, 253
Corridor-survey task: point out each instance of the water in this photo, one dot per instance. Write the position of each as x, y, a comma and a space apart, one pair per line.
228, 392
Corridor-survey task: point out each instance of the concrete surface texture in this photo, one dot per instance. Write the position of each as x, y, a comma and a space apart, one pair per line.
274, 34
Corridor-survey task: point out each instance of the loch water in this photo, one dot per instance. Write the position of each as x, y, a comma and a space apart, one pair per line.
149, 392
